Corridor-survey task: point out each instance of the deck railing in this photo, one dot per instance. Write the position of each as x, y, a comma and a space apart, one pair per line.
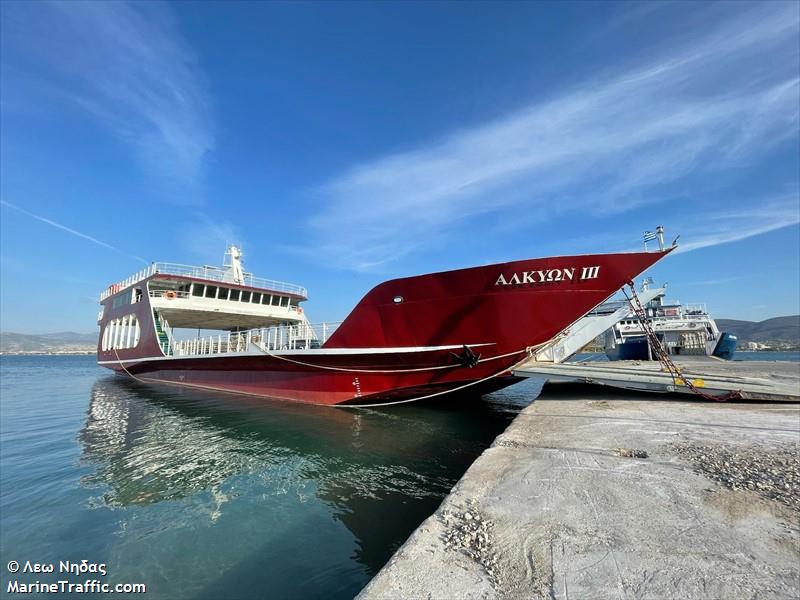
207, 273
169, 294
303, 336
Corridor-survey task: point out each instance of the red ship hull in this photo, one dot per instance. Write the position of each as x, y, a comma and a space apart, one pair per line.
405, 339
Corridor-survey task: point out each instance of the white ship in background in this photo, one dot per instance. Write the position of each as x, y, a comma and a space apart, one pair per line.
682, 329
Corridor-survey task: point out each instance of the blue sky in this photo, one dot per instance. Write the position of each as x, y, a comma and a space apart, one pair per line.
346, 143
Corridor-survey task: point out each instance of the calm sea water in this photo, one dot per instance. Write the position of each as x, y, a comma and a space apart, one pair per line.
209, 496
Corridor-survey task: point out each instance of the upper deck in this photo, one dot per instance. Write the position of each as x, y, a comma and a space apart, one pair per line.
209, 274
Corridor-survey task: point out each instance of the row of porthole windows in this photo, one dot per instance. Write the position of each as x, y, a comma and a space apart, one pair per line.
121, 333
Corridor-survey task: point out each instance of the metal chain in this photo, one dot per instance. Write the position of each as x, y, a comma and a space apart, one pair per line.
663, 356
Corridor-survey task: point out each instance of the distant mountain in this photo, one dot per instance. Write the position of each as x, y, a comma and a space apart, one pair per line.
63, 342
777, 329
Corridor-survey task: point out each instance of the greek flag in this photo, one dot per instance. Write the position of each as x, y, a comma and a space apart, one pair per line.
649, 236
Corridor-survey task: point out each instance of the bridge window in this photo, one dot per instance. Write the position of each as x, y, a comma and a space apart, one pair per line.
284, 301
122, 299
198, 289
256, 298
211, 291
265, 299
234, 295
246, 296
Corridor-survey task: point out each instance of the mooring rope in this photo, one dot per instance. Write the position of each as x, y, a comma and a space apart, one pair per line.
449, 391
119, 360
528, 350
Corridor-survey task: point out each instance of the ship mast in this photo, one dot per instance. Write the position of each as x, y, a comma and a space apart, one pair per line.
235, 264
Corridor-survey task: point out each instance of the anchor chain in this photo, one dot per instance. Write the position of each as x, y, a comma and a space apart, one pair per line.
663, 356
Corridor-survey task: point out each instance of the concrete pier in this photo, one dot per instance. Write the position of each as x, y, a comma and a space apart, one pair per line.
612, 494
750, 380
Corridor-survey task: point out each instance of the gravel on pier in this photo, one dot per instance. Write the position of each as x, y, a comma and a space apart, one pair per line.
774, 473
469, 532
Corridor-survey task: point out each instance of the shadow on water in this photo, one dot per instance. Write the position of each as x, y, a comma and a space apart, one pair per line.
379, 472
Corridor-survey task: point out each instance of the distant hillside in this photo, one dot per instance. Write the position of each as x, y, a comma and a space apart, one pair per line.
777, 329
66, 341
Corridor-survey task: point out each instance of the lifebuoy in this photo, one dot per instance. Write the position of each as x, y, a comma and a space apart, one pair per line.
170, 295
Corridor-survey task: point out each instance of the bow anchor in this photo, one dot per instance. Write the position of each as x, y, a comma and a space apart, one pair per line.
467, 358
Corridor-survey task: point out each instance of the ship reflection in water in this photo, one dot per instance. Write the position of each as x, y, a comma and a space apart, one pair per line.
227, 496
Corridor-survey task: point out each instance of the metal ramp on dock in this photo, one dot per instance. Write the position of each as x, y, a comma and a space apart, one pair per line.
754, 380
583, 331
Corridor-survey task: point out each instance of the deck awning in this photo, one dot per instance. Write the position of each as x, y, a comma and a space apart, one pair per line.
209, 319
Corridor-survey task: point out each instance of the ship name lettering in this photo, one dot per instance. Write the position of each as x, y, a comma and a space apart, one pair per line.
590, 272
530, 277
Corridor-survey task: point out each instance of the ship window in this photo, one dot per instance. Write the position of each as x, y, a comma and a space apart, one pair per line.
284, 301
275, 300
265, 299
211, 291
256, 298
198, 289
223, 293
246, 296
122, 299
137, 295
234, 295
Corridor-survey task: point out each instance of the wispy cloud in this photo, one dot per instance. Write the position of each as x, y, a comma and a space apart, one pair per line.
724, 227
206, 238
606, 146
128, 66
70, 230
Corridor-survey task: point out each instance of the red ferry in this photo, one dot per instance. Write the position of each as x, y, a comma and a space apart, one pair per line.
407, 339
